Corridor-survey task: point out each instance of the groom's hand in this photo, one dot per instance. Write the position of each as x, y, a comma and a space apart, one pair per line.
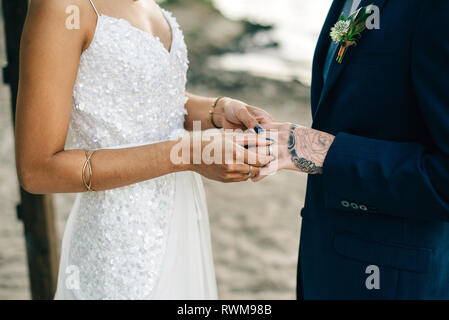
297, 148
235, 114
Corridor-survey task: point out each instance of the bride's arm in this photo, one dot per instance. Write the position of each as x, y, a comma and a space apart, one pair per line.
50, 56
229, 113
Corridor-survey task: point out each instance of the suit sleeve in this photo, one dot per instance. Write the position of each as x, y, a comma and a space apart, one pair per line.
402, 179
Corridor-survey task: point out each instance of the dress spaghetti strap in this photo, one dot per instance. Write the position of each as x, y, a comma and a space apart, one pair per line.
93, 6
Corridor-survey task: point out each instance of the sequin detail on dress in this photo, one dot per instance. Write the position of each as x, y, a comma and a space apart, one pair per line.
129, 91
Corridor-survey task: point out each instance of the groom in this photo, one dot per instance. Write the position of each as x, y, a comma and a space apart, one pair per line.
375, 221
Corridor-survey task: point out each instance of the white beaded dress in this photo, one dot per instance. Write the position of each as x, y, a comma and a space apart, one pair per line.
150, 240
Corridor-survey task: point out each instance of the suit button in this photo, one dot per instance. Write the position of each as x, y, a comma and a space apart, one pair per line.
354, 206
345, 204
363, 208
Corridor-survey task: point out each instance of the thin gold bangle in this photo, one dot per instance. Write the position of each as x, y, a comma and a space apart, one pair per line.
87, 165
212, 111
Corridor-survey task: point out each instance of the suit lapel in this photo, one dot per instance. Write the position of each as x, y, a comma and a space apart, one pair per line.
336, 68
321, 52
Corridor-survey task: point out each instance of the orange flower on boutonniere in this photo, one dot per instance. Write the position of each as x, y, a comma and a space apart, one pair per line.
348, 31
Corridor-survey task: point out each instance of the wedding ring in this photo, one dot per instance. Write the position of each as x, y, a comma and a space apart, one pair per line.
250, 173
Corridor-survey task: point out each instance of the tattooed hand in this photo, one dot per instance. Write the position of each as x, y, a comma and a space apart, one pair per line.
296, 148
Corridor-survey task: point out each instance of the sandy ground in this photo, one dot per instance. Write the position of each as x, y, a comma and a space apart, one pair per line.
255, 227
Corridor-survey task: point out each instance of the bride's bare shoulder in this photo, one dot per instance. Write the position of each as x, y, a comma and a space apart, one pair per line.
58, 19
52, 7
58, 12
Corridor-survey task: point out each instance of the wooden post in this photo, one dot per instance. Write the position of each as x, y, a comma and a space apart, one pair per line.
35, 211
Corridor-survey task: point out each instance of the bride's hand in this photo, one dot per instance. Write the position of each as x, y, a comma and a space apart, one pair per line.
226, 158
235, 114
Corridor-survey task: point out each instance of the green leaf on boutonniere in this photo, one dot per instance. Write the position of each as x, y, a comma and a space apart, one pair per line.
348, 31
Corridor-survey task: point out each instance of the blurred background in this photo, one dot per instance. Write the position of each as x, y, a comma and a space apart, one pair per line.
259, 51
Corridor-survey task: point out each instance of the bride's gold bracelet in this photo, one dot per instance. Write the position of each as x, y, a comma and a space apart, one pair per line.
212, 112
87, 165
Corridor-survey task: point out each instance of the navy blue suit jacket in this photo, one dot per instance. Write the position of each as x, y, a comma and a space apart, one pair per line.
383, 199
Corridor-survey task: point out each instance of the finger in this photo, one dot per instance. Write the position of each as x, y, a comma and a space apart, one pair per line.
249, 170
240, 168
256, 160
273, 126
263, 121
244, 169
232, 126
255, 171
260, 114
246, 118
248, 173
269, 170
262, 150
252, 140
237, 177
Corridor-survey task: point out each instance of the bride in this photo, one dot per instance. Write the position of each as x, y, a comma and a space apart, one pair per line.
139, 226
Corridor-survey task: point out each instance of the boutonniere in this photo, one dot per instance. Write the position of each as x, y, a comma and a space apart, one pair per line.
348, 31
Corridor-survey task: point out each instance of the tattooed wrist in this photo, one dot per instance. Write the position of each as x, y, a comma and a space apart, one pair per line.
308, 149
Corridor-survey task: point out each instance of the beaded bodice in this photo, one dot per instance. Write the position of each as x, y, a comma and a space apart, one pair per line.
129, 88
